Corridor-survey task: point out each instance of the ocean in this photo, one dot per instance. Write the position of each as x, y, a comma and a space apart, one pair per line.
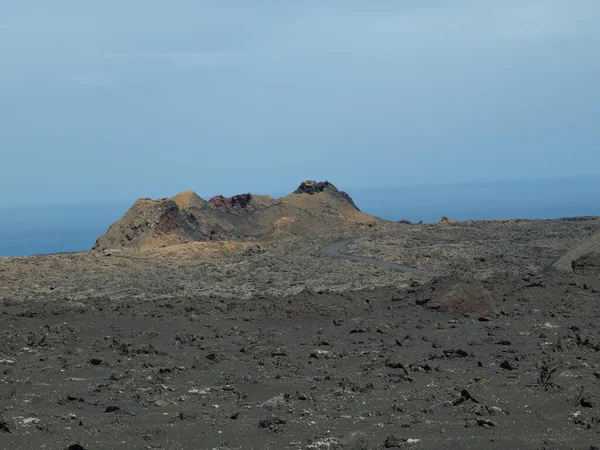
70, 228
55, 229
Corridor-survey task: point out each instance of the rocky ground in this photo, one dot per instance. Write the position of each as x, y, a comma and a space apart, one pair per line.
279, 270
281, 347
479, 248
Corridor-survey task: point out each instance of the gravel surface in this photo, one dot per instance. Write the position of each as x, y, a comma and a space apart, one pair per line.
478, 248
283, 347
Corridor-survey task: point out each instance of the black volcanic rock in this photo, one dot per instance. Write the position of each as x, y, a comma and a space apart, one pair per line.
237, 201
315, 187
4, 428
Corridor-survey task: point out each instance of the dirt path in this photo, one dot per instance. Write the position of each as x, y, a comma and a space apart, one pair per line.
333, 250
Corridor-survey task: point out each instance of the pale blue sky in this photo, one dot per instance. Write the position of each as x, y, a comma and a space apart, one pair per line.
111, 100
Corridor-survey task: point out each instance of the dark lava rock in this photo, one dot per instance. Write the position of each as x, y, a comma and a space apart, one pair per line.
393, 442
588, 261
273, 424
313, 187
455, 354
239, 201
394, 364
4, 427
464, 396
585, 400
546, 372
486, 423
507, 365
357, 330
75, 447
112, 409
95, 361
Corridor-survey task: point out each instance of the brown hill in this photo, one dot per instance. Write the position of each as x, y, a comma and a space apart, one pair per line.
313, 208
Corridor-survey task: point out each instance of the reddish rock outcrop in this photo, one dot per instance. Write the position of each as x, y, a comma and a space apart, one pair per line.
237, 201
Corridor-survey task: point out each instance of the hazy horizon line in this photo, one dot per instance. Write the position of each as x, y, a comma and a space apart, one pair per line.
123, 201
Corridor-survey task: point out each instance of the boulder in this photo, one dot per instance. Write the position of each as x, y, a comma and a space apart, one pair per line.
463, 298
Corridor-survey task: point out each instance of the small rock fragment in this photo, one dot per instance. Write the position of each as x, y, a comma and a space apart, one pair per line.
273, 424
161, 403
585, 400
4, 427
392, 442
464, 396
274, 403
485, 423
506, 365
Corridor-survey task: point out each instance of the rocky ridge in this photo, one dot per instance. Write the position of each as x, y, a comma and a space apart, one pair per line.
187, 218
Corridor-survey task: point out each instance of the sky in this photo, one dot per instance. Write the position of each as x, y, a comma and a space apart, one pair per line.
110, 101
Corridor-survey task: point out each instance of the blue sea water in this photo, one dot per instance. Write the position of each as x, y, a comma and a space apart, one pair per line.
68, 228
531, 199
55, 229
